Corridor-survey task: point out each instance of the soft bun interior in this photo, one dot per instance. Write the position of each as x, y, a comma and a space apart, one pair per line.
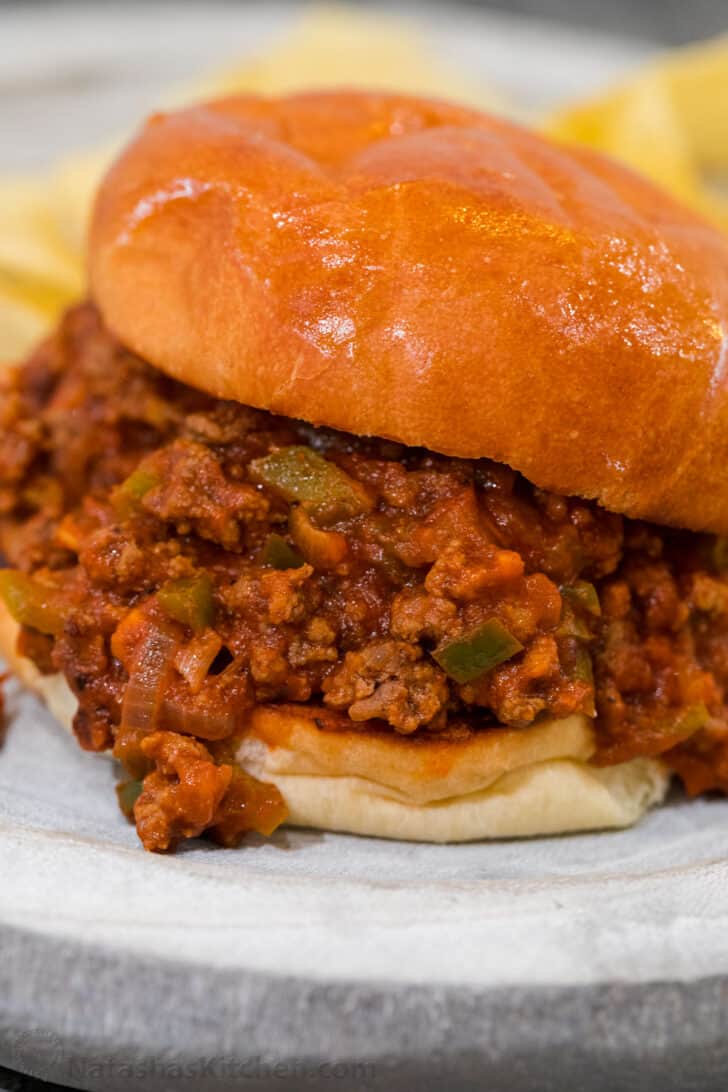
499, 784
53, 689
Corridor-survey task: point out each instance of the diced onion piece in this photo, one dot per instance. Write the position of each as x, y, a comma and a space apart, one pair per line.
691, 720
204, 720
68, 534
153, 661
194, 660
322, 549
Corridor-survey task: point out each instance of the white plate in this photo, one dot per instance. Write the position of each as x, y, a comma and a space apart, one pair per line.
321, 946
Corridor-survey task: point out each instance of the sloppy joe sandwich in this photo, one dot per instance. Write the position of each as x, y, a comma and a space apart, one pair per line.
379, 484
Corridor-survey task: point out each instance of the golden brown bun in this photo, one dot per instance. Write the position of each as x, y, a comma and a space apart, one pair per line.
422, 272
496, 784
500, 784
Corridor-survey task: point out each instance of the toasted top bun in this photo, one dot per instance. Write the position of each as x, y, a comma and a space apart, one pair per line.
417, 271
496, 784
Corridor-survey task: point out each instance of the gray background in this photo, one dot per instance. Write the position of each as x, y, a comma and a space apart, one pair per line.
668, 21
673, 21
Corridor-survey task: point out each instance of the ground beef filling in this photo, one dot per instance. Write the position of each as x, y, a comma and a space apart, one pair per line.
181, 559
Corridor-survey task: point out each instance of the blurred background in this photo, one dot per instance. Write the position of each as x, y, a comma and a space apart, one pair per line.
669, 21
105, 62
643, 80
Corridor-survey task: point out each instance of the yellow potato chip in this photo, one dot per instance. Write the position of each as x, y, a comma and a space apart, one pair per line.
669, 122
42, 294
21, 326
29, 238
39, 273
71, 185
698, 80
333, 46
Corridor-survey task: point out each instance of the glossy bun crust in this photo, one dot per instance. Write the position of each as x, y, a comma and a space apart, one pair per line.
418, 271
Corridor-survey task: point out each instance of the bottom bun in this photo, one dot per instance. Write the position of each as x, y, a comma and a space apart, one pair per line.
53, 689
500, 783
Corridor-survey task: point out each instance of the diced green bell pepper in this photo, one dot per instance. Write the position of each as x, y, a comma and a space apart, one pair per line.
189, 601
469, 657
279, 555
30, 603
127, 793
582, 594
302, 475
719, 554
128, 496
571, 625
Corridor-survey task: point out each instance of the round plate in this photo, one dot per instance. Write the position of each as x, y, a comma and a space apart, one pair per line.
593, 961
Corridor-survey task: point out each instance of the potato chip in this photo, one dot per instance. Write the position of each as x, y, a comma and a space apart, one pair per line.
333, 46
697, 77
71, 185
21, 326
30, 241
40, 293
669, 122
39, 273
